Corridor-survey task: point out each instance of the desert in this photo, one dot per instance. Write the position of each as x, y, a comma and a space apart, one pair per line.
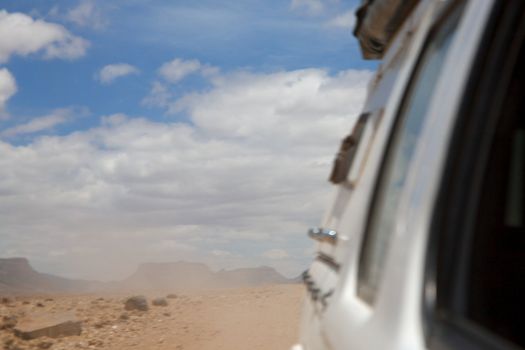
246, 315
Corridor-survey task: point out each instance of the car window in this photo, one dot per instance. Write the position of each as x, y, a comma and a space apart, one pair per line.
400, 151
492, 294
475, 276
481, 235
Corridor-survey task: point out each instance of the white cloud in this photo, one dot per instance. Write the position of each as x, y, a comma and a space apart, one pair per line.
345, 20
246, 175
275, 254
70, 47
109, 73
221, 253
170, 246
21, 35
177, 69
58, 116
313, 7
294, 107
7, 90
159, 95
87, 14
173, 72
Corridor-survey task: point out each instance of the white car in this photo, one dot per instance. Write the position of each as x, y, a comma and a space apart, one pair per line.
423, 246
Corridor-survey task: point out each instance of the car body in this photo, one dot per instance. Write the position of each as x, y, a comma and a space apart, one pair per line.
402, 253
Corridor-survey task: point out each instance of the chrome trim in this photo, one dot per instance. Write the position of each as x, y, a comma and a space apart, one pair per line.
323, 235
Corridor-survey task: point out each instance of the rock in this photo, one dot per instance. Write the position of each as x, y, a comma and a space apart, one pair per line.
49, 325
39, 305
8, 322
10, 344
101, 324
137, 303
95, 343
45, 345
160, 302
172, 296
167, 314
6, 300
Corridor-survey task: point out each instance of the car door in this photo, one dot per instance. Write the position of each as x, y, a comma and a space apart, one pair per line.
354, 175
353, 158
361, 310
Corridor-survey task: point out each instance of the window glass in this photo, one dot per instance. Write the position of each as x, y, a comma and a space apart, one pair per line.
515, 191
476, 264
399, 155
493, 295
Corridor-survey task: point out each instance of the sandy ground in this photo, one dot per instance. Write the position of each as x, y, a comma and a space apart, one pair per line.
262, 318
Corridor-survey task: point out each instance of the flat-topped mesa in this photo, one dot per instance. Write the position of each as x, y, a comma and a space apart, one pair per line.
187, 275
17, 276
168, 276
250, 276
14, 265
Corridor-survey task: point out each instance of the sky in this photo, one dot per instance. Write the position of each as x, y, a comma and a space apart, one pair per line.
149, 131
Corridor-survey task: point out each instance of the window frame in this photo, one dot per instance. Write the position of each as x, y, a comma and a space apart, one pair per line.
444, 18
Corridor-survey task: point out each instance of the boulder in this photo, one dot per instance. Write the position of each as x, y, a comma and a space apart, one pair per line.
137, 303
8, 322
160, 302
49, 325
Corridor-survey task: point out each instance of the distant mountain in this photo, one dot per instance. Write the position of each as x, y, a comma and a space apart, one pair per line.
17, 276
250, 277
187, 275
168, 276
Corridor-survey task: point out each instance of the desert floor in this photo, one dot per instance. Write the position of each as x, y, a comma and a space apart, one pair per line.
263, 318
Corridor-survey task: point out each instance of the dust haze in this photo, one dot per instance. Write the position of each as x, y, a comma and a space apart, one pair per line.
192, 171
177, 305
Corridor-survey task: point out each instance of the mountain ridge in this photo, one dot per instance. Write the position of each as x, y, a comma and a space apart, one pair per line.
17, 276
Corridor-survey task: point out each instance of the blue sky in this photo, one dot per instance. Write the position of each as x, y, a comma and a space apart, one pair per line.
261, 37
94, 78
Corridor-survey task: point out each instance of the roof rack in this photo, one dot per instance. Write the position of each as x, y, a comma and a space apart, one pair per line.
377, 22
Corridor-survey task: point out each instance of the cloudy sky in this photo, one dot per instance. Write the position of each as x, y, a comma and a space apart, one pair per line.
134, 131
